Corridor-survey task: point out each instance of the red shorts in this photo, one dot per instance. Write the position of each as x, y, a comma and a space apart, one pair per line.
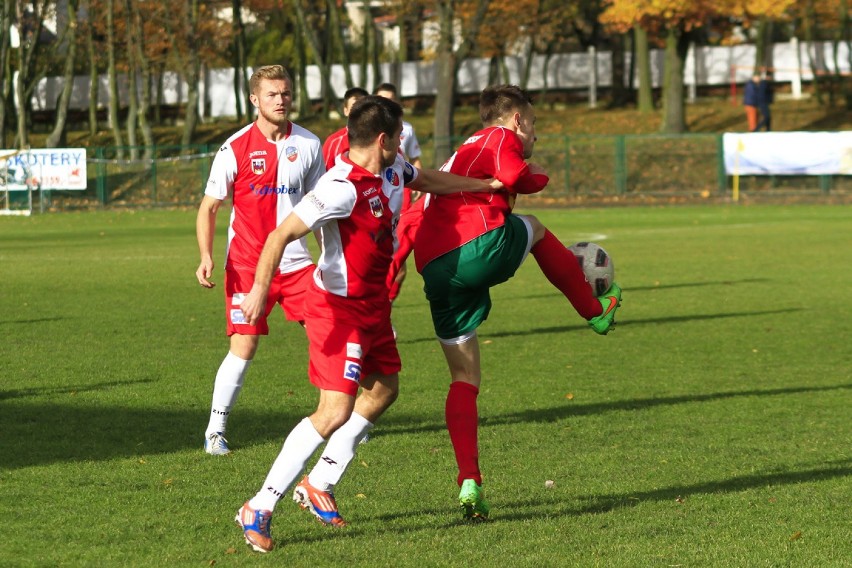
287, 290
341, 353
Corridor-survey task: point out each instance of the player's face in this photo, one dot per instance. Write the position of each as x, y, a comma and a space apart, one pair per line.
273, 100
391, 147
525, 122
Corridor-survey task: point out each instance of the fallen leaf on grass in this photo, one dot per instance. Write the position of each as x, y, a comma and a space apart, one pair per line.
680, 499
231, 550
570, 396
487, 342
796, 536
361, 496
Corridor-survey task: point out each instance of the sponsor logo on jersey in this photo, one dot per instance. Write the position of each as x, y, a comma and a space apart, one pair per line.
238, 317
291, 153
257, 153
472, 139
392, 176
353, 350
370, 192
258, 166
376, 206
352, 371
267, 190
237, 299
314, 200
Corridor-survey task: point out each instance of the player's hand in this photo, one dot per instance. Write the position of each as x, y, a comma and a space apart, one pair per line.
253, 304
204, 272
535, 169
495, 184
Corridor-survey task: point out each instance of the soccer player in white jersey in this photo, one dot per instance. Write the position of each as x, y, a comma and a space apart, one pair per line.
266, 168
355, 205
410, 221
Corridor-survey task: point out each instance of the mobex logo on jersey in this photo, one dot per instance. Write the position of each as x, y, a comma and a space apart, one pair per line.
392, 176
291, 153
376, 206
352, 371
258, 166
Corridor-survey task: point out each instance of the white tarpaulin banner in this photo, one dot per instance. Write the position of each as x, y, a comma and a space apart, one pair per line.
788, 153
51, 168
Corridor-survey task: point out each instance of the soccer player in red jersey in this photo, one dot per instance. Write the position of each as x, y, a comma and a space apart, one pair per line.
355, 205
338, 142
266, 168
469, 242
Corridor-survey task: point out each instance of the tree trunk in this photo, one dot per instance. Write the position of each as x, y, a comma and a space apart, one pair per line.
5, 87
304, 101
619, 89
445, 84
94, 80
27, 77
114, 101
57, 137
193, 73
239, 61
335, 31
845, 36
132, 82
313, 43
645, 99
674, 119
144, 66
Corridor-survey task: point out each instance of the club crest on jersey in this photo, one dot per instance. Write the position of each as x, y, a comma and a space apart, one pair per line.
376, 206
392, 176
258, 166
291, 153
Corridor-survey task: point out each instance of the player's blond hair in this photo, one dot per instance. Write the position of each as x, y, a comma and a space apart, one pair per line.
268, 72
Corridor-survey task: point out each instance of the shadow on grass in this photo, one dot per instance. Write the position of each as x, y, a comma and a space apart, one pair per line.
41, 391
621, 324
530, 510
401, 424
41, 433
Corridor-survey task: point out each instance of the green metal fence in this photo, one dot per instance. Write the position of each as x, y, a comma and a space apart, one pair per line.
581, 167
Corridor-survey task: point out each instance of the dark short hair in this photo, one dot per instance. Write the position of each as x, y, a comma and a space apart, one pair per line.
354, 92
386, 87
370, 116
497, 101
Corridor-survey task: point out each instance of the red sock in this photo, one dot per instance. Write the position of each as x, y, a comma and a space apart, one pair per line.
560, 266
462, 423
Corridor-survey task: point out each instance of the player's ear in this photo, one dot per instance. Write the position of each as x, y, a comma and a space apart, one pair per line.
254, 100
516, 120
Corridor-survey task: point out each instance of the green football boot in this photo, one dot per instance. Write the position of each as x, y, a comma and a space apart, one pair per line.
472, 500
610, 301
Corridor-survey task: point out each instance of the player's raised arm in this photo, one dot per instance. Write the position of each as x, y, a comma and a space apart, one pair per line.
442, 183
291, 229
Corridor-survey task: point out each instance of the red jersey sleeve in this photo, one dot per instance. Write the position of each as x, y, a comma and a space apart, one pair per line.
513, 170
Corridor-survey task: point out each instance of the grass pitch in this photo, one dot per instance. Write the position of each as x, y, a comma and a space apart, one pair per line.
711, 428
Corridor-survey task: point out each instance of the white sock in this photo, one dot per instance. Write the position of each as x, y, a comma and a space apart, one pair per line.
339, 452
299, 446
226, 389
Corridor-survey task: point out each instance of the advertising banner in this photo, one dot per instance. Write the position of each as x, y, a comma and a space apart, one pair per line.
50, 168
788, 153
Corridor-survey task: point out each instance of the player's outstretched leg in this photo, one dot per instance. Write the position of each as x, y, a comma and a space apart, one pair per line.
321, 503
472, 501
256, 525
610, 300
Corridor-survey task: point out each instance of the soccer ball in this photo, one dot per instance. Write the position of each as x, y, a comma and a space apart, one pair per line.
596, 264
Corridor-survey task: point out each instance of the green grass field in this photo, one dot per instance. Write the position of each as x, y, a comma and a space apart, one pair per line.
712, 428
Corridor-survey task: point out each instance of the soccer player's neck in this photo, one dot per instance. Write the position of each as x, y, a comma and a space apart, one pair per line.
367, 158
273, 131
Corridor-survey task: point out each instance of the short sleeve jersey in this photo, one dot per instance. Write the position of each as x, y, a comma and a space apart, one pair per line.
336, 144
450, 221
408, 142
356, 212
265, 180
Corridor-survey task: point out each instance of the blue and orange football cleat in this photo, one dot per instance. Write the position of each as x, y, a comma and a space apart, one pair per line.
255, 525
321, 503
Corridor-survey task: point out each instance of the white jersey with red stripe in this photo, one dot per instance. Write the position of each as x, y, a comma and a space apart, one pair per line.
265, 179
357, 212
408, 143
